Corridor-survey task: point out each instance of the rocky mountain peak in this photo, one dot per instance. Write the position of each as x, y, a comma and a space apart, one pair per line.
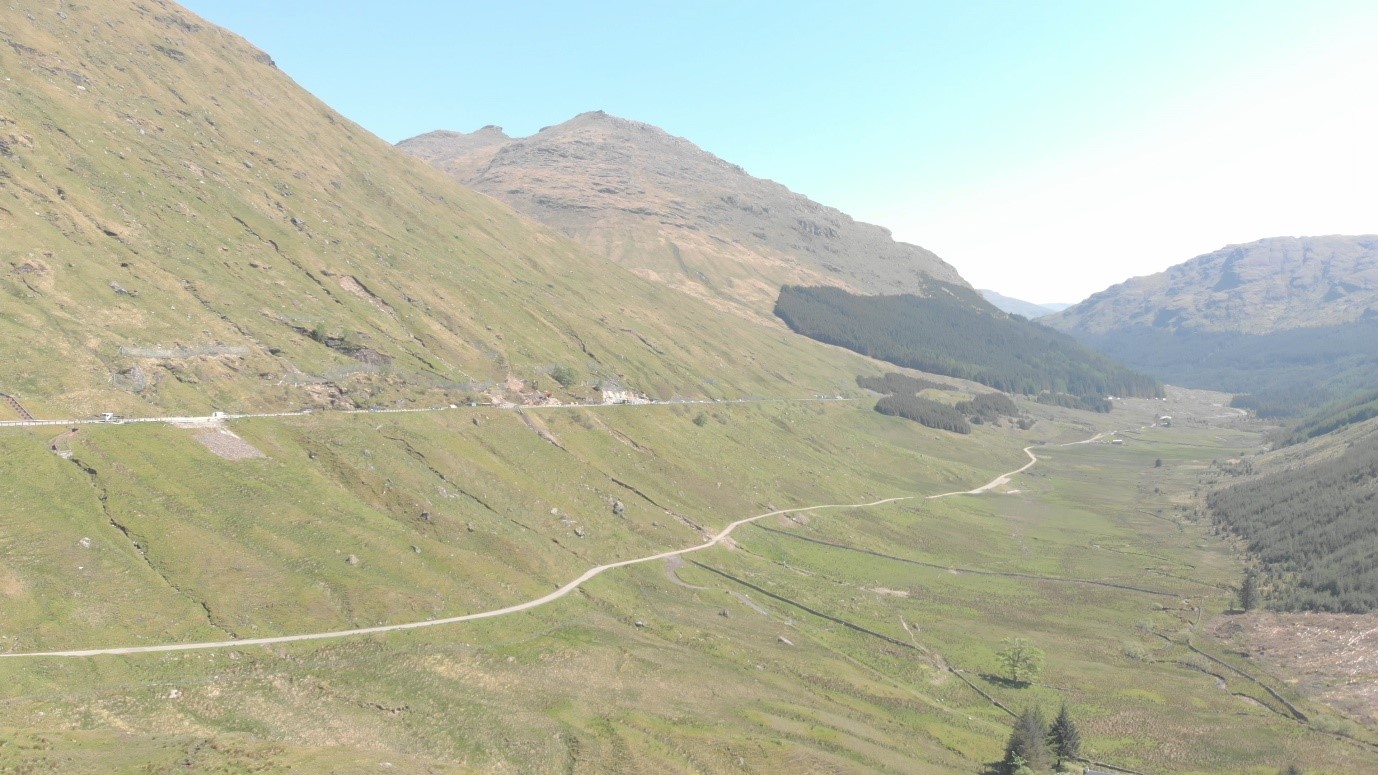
664, 207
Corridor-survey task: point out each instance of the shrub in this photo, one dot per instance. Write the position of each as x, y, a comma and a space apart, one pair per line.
565, 375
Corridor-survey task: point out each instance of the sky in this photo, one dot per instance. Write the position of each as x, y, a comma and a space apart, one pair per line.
1046, 149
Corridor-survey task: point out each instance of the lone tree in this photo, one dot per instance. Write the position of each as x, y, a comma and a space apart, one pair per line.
1249, 595
1027, 749
1021, 659
1064, 738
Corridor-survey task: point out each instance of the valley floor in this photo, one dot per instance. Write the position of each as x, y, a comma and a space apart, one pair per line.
806, 639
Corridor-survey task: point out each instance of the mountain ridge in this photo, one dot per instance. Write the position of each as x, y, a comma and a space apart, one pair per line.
699, 223
1258, 287
1014, 306
1290, 321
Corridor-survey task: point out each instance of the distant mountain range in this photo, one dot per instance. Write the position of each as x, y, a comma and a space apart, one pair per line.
670, 211
1015, 306
1292, 321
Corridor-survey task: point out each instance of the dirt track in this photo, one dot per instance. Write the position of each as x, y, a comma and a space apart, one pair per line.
512, 609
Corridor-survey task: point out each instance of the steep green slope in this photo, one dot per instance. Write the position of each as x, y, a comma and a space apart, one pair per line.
394, 285
177, 219
1308, 518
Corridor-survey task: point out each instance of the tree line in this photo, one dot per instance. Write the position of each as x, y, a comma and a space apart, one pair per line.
924, 411
1312, 528
1090, 403
1276, 375
894, 383
1352, 409
956, 333
902, 400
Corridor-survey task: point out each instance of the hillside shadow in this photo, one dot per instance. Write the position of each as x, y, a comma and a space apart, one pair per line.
1000, 680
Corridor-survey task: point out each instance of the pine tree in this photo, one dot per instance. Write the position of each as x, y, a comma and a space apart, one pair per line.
1028, 744
1064, 738
1249, 595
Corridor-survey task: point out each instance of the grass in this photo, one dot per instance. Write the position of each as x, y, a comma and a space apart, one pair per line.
251, 217
178, 176
578, 685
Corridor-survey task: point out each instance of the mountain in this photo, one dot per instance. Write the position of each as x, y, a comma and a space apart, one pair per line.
183, 228
670, 211
1261, 287
1020, 307
352, 591
1289, 320
674, 213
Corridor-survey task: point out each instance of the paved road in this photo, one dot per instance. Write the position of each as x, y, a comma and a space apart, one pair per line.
528, 605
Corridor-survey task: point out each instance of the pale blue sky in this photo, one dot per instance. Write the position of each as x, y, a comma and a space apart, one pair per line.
1046, 149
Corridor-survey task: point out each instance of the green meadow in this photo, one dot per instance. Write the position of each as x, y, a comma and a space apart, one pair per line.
841, 639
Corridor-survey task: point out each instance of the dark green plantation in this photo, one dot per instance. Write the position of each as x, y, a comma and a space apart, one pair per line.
1278, 374
1313, 529
954, 332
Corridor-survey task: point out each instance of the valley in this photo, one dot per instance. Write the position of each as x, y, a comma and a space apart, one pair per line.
1092, 553
709, 542
589, 452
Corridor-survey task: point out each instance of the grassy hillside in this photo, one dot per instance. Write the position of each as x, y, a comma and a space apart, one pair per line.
182, 227
666, 666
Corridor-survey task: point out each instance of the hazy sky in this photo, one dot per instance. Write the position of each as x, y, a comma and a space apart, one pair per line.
1046, 149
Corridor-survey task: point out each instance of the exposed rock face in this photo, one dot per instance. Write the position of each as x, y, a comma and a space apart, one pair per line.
671, 211
1261, 287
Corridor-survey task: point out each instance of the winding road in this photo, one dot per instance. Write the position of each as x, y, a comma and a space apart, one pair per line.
219, 416
528, 605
